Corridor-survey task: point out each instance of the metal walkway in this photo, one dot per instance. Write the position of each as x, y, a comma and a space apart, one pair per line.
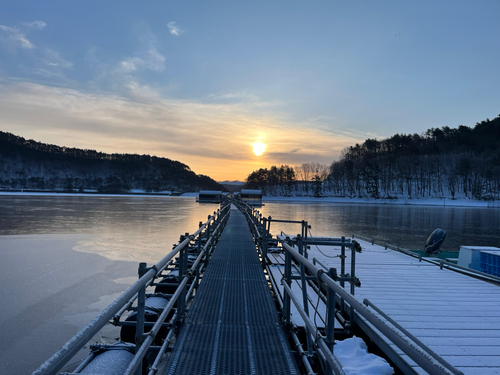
232, 326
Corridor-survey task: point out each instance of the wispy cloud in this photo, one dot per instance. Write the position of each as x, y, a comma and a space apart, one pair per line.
149, 58
174, 29
235, 96
39, 25
54, 59
40, 60
212, 139
14, 35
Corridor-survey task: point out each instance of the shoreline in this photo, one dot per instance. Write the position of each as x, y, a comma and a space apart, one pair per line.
440, 202
64, 194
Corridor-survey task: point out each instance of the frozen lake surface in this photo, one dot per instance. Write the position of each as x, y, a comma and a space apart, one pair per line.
65, 258
49, 291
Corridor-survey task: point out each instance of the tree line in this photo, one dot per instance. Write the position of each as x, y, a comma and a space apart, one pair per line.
441, 162
284, 180
27, 164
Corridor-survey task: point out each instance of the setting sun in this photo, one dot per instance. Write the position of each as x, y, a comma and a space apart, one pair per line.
258, 148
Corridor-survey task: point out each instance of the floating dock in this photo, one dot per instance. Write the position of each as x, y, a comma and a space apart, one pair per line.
221, 316
455, 315
232, 326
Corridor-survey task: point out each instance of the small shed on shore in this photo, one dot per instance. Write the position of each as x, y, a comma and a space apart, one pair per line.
251, 197
209, 196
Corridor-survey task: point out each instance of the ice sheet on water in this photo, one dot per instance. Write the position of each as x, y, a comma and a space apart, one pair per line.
355, 359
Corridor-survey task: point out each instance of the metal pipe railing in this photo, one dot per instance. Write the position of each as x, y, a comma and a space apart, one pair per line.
150, 336
413, 338
154, 367
61, 357
441, 263
302, 353
466, 271
250, 214
313, 333
418, 352
426, 361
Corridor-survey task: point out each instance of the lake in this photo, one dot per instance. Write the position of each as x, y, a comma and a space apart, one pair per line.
146, 224
65, 258
405, 225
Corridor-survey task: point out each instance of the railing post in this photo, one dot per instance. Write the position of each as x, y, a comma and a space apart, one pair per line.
200, 236
330, 324
288, 280
342, 271
265, 238
141, 300
342, 261
200, 224
353, 269
303, 283
305, 237
181, 300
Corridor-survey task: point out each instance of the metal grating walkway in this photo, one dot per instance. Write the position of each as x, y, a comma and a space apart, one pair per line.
232, 326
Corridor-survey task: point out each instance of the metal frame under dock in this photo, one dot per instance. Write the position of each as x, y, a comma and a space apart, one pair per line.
231, 299
455, 315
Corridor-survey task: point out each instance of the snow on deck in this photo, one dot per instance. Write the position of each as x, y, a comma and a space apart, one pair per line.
457, 316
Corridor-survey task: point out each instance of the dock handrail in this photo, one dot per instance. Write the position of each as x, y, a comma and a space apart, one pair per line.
144, 347
442, 263
368, 303
417, 353
68, 350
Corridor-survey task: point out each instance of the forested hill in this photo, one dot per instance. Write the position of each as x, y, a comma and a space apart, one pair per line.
27, 164
442, 162
462, 162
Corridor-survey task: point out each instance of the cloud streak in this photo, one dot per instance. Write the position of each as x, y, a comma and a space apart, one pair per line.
174, 29
39, 25
54, 59
13, 34
213, 139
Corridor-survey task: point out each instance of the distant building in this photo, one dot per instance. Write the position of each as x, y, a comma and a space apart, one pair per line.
209, 196
251, 197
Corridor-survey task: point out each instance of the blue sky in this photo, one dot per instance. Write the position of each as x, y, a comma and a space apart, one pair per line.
200, 82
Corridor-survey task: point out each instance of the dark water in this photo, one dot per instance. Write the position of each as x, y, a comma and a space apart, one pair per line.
55, 291
135, 228
86, 214
404, 226
165, 218
49, 291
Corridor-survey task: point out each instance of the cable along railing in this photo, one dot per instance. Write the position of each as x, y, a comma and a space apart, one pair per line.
129, 358
340, 303
442, 263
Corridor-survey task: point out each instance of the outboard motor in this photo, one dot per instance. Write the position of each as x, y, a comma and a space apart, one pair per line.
434, 242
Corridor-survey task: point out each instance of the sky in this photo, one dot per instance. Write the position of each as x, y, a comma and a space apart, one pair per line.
207, 82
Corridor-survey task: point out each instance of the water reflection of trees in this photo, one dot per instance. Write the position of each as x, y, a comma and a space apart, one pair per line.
406, 226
